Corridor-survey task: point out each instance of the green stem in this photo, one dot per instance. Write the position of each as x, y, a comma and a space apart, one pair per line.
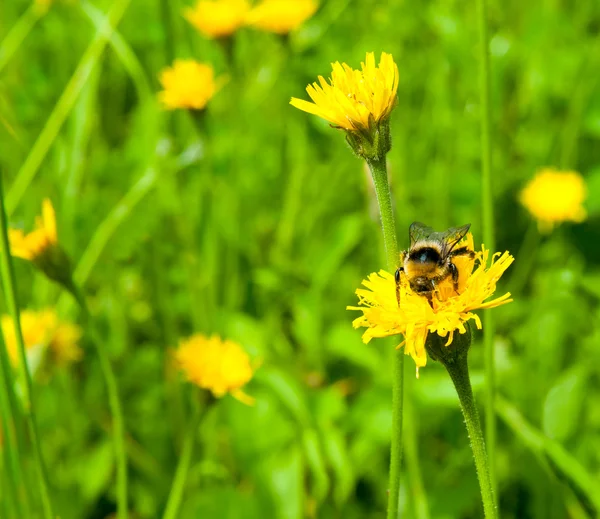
12, 446
9, 285
413, 469
384, 198
18, 32
488, 226
185, 459
459, 373
113, 401
63, 107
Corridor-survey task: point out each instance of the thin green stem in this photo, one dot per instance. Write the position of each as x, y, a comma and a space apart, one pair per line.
413, 469
488, 225
113, 401
185, 459
63, 107
9, 285
18, 32
459, 373
384, 198
11, 448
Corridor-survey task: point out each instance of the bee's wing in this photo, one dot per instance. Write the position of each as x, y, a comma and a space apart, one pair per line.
419, 231
452, 236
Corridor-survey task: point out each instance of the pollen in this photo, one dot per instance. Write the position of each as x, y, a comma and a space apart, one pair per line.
354, 99
448, 312
553, 197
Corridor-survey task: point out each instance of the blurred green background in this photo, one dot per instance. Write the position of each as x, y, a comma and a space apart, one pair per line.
260, 229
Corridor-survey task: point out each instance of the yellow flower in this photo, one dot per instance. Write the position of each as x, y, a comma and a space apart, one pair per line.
218, 18
281, 16
40, 330
555, 196
39, 241
416, 317
354, 99
187, 84
64, 343
220, 366
41, 247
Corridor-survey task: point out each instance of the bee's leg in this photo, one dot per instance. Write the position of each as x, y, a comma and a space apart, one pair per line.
429, 296
434, 291
454, 273
399, 271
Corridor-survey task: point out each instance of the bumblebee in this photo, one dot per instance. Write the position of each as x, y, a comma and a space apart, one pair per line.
428, 261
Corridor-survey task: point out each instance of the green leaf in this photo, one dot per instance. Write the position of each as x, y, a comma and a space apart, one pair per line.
316, 463
562, 406
96, 470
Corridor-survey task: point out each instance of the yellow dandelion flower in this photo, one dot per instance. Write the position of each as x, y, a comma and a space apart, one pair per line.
449, 311
43, 329
281, 16
220, 366
41, 247
218, 18
354, 99
187, 84
39, 241
555, 196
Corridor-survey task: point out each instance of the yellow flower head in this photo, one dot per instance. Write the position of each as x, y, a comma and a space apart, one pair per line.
43, 329
448, 312
221, 366
41, 247
39, 241
218, 18
554, 196
187, 84
354, 99
281, 16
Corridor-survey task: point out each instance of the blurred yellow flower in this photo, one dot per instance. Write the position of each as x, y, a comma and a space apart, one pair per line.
218, 18
555, 196
64, 343
41, 247
39, 241
43, 329
220, 366
416, 317
354, 99
281, 16
187, 84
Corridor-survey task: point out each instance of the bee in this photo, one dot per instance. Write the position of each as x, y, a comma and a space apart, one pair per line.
428, 260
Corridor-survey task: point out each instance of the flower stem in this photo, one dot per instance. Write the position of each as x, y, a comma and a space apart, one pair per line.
9, 285
185, 459
488, 225
113, 401
459, 373
384, 198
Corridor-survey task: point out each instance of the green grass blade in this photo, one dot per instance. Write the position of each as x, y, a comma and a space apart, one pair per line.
63, 108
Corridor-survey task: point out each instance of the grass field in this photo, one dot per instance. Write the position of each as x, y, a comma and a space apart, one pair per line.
254, 221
